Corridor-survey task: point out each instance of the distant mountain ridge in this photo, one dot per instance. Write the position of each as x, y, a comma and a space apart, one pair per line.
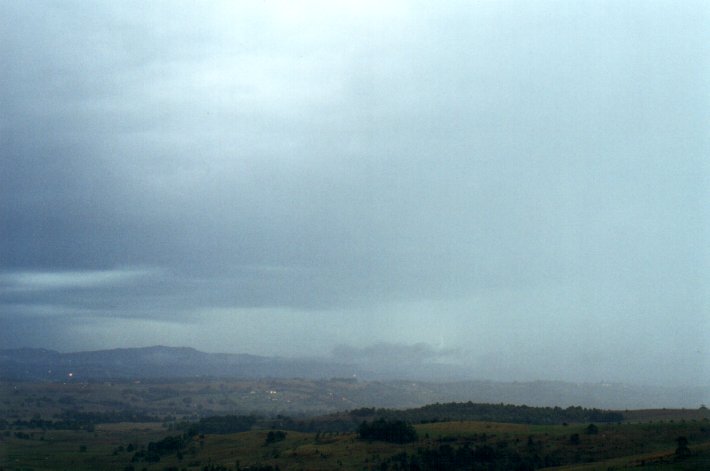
411, 388
157, 362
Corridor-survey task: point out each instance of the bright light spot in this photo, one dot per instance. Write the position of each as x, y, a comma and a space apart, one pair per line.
71, 279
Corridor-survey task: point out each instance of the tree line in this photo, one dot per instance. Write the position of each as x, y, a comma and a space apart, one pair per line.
505, 413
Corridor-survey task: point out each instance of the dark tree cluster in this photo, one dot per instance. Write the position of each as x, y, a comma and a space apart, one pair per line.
395, 431
274, 437
155, 450
507, 413
682, 451
467, 457
78, 420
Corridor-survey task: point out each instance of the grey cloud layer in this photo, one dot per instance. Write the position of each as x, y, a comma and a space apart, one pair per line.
352, 158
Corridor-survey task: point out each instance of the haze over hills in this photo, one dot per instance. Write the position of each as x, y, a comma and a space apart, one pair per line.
157, 362
524, 183
412, 386
327, 223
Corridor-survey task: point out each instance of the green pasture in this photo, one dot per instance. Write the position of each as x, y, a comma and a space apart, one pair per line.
613, 446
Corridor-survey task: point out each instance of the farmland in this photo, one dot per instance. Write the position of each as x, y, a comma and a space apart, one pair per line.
505, 446
218, 425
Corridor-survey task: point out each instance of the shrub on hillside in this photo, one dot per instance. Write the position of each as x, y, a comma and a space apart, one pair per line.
395, 431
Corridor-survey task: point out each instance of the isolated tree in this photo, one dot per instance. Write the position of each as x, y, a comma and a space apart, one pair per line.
682, 451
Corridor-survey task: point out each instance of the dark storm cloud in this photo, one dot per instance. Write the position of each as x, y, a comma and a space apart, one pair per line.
507, 169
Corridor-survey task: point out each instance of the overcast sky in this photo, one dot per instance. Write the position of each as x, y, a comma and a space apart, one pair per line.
523, 187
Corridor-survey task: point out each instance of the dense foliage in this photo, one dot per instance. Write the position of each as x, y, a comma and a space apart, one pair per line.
395, 431
466, 457
507, 413
77, 420
274, 437
155, 450
454, 411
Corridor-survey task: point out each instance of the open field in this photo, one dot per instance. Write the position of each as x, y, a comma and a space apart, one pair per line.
163, 426
114, 446
179, 398
195, 398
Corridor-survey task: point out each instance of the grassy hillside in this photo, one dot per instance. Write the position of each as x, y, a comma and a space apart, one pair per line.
167, 426
481, 445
